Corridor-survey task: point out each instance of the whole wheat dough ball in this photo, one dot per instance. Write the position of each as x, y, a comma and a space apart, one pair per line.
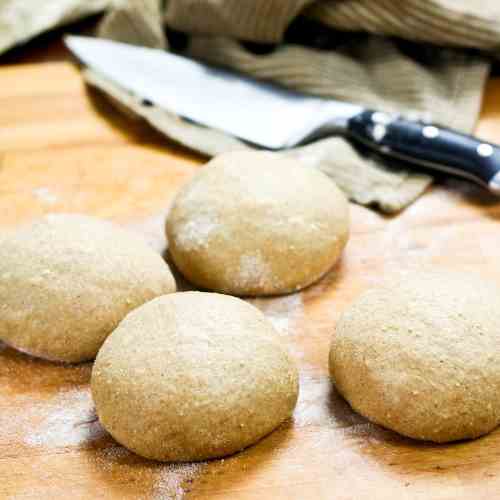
66, 281
421, 356
192, 376
252, 223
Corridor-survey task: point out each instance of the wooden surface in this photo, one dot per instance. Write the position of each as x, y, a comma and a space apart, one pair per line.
65, 149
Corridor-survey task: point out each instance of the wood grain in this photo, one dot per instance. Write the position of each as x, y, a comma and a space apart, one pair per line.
63, 149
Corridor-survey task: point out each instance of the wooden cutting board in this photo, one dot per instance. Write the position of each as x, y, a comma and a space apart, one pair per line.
63, 149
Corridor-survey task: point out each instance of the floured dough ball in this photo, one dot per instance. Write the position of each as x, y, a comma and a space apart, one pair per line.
253, 223
421, 356
192, 376
66, 281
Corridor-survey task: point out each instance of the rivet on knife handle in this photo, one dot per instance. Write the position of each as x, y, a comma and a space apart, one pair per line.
429, 146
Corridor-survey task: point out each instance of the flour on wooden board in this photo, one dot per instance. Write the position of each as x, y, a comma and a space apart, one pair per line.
284, 313
152, 230
164, 480
45, 195
68, 419
172, 479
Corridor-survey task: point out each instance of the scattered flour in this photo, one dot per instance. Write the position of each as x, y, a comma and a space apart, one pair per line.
45, 195
152, 229
173, 481
284, 313
313, 405
154, 480
68, 419
115, 453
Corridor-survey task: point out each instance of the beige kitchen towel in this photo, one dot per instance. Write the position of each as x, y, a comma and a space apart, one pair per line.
137, 22
21, 20
383, 73
257, 20
436, 66
460, 23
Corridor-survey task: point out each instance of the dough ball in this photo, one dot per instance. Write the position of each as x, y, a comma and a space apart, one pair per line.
421, 356
192, 376
66, 281
253, 223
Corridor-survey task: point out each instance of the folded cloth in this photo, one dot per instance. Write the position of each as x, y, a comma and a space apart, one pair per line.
379, 72
436, 66
136, 22
460, 23
21, 20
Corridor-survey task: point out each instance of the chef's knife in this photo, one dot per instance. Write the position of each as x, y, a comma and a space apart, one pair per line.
276, 118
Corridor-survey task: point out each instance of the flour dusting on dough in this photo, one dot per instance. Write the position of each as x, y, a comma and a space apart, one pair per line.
196, 232
255, 272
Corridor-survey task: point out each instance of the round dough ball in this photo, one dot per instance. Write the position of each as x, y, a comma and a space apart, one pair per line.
66, 281
421, 356
192, 376
253, 223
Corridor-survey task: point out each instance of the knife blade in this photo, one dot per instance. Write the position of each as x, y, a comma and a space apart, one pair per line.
277, 118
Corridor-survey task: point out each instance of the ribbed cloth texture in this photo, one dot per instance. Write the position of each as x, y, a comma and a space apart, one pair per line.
444, 83
258, 20
137, 22
460, 23
373, 60
373, 72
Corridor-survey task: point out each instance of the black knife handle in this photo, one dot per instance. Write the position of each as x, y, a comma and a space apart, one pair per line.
429, 146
